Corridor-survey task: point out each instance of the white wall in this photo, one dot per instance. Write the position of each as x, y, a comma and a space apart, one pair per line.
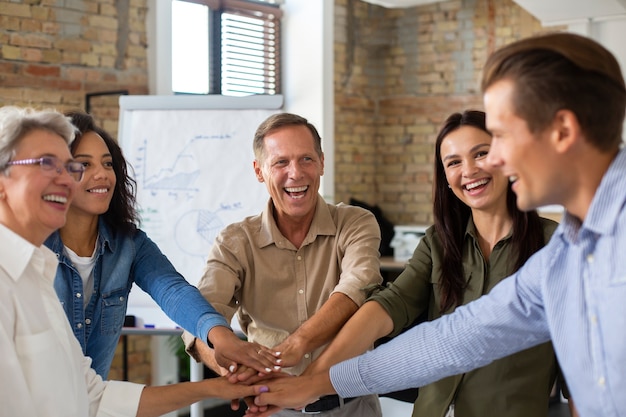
308, 73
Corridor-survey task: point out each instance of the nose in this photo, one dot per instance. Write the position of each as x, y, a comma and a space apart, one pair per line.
99, 172
469, 168
294, 171
494, 158
65, 178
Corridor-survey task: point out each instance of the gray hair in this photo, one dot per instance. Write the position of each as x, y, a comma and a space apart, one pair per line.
17, 122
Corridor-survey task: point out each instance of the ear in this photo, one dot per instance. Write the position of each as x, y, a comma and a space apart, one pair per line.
566, 131
322, 162
257, 171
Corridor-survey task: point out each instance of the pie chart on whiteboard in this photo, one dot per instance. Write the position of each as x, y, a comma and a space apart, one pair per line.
196, 230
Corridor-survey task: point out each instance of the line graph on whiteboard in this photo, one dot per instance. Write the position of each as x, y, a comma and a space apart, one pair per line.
194, 177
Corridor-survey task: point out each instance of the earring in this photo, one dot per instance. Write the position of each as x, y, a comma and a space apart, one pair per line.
449, 186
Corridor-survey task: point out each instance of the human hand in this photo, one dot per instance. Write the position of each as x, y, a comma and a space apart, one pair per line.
293, 392
291, 350
219, 387
254, 379
231, 352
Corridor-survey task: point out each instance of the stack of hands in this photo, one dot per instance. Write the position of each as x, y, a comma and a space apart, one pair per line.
274, 389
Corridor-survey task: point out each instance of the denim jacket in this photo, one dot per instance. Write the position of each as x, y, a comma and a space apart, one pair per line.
121, 260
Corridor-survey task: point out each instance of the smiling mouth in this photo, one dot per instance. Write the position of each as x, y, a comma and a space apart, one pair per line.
55, 198
98, 190
296, 192
473, 185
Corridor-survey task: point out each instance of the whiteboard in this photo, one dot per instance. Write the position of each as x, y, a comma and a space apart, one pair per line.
192, 159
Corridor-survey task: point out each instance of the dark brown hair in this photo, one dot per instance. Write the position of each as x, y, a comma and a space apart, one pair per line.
451, 217
121, 214
563, 71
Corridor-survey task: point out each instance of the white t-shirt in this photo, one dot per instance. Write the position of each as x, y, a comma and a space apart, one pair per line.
84, 265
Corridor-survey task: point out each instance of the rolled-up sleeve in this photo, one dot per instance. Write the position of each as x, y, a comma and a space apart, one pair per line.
359, 239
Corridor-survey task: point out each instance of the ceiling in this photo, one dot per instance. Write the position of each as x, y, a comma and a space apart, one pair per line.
547, 11
401, 3
557, 11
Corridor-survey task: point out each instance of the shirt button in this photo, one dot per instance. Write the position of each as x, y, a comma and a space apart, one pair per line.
300, 291
590, 258
594, 319
121, 298
299, 258
79, 325
307, 355
78, 295
601, 381
87, 321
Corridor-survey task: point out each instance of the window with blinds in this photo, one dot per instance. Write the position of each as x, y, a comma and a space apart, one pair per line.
228, 47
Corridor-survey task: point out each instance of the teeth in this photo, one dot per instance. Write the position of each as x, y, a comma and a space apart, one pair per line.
296, 189
513, 178
476, 184
55, 198
99, 190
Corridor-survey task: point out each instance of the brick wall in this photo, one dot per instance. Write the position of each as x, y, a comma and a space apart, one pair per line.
398, 74
53, 52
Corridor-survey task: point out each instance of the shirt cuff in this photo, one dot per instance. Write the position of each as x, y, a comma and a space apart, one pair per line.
120, 399
208, 322
346, 379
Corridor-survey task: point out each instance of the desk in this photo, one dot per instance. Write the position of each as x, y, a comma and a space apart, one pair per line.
389, 264
390, 268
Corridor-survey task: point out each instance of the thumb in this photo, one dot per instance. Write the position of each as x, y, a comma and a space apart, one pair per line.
259, 391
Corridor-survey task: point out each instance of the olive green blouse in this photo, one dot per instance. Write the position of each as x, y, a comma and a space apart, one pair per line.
515, 386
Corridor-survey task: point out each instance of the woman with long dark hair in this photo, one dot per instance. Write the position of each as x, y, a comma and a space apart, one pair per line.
478, 239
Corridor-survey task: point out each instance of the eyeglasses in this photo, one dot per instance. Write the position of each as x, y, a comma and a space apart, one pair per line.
51, 165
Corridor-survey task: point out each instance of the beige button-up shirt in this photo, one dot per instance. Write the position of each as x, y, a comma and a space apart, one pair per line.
274, 287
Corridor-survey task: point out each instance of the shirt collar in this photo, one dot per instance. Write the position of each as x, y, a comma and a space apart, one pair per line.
606, 204
470, 230
322, 224
105, 236
16, 253
105, 239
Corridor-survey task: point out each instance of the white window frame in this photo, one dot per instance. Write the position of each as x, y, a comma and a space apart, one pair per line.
308, 66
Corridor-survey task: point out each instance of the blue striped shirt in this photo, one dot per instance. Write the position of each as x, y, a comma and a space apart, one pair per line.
573, 292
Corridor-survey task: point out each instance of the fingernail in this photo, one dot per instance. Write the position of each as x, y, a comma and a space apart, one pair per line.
277, 368
268, 370
264, 389
279, 361
232, 368
277, 353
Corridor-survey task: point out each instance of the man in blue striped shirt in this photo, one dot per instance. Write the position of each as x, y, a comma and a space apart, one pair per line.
555, 105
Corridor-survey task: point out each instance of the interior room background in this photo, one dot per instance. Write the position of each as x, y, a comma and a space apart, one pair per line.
397, 74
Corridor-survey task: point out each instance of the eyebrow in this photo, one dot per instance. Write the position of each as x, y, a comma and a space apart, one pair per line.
473, 149
81, 155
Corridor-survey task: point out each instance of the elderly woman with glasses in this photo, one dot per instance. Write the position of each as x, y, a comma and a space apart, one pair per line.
43, 370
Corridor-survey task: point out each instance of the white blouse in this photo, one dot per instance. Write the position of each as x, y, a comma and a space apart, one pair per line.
43, 371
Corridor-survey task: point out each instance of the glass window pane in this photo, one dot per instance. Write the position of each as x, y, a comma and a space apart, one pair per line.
190, 48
